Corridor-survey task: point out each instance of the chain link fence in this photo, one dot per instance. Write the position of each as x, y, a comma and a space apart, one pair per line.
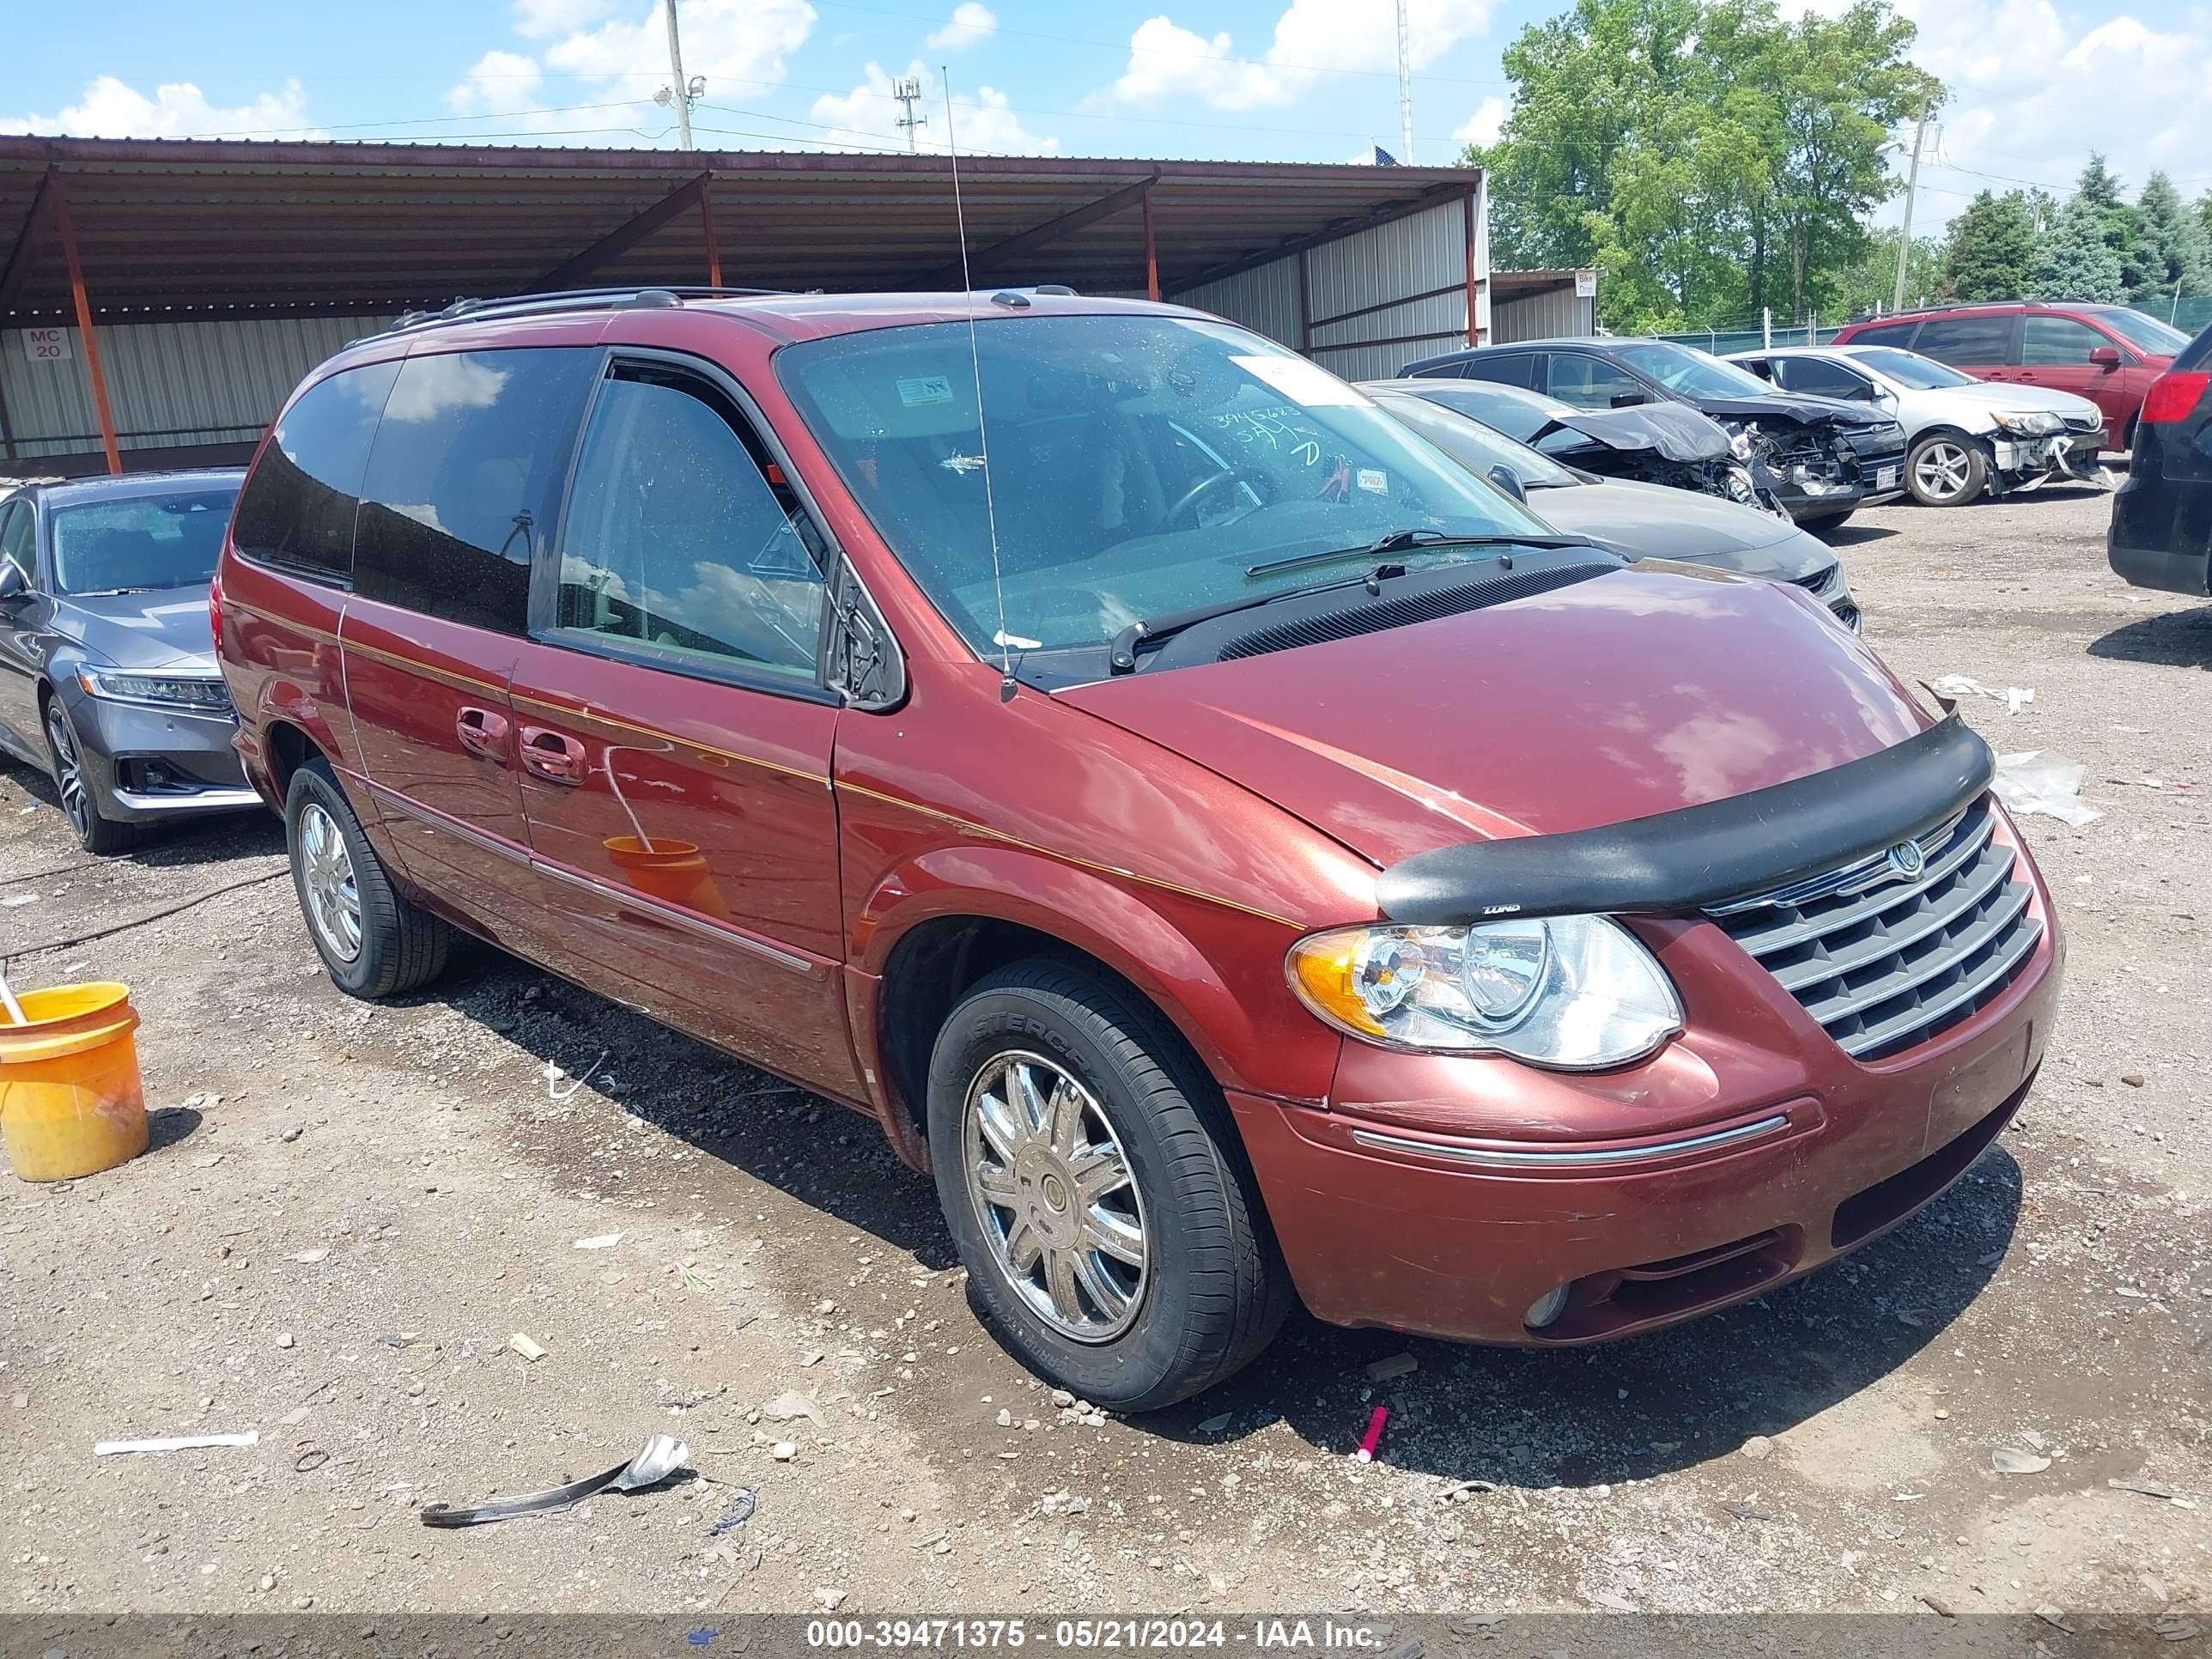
2190, 313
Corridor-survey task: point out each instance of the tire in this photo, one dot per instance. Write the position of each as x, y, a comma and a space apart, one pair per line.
1819, 522
1152, 1140
99, 835
396, 945
1945, 470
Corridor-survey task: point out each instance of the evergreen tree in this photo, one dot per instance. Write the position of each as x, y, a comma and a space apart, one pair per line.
2099, 187
1990, 253
2177, 246
2075, 262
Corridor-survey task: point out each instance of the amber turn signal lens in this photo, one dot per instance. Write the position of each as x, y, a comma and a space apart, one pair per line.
1326, 969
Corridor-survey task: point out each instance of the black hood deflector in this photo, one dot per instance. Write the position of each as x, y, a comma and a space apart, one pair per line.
1671, 863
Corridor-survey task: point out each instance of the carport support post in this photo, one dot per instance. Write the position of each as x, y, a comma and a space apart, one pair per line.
707, 229
1152, 252
92, 368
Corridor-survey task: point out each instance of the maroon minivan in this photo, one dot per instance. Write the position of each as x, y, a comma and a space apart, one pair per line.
1240, 854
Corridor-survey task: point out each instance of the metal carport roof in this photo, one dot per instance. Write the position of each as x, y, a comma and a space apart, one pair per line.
184, 228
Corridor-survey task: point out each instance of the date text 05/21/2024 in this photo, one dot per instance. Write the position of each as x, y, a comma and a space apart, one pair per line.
1266, 1634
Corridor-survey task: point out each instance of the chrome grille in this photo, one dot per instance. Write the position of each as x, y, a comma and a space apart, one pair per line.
1822, 584
1884, 961
2085, 422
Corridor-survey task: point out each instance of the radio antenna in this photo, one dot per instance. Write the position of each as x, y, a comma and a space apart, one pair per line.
982, 431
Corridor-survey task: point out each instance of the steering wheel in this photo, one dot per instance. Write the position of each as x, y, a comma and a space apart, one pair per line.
1228, 475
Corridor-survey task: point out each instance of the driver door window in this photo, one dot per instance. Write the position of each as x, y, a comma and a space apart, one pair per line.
677, 544
1591, 382
1818, 378
16, 523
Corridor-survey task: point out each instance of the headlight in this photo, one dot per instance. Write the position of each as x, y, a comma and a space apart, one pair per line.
203, 693
2027, 423
1573, 991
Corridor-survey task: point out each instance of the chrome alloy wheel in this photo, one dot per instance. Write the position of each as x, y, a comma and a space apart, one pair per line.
68, 771
1057, 1201
326, 880
1942, 469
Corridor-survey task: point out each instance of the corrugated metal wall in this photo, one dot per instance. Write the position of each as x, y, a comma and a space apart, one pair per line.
171, 385
1265, 298
1406, 279
1554, 314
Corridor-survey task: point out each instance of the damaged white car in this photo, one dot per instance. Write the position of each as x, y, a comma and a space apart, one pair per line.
1965, 438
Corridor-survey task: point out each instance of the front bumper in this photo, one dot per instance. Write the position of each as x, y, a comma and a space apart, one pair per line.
149, 763
1445, 1196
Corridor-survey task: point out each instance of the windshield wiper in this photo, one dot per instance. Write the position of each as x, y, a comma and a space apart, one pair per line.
106, 593
1399, 541
1122, 656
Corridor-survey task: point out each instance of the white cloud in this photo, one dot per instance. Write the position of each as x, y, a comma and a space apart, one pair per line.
971, 23
601, 52
2034, 90
109, 108
1484, 125
866, 117
1312, 38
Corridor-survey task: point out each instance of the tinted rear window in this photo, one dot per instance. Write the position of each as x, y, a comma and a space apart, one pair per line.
1885, 334
1507, 368
297, 510
465, 481
1967, 340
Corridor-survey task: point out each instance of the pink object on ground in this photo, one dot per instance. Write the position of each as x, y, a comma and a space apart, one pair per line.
1374, 1435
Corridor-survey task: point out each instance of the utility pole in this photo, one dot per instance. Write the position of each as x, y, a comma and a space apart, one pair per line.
680, 90
909, 92
1911, 184
1405, 87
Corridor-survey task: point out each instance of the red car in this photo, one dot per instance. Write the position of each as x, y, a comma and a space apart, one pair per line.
2108, 354
1242, 855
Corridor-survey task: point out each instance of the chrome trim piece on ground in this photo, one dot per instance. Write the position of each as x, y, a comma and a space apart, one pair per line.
1515, 1157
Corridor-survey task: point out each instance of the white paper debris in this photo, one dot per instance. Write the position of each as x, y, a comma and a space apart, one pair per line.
176, 1442
603, 1242
2042, 780
1954, 686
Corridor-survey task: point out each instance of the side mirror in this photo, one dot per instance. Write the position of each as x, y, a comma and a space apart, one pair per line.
13, 585
1630, 400
2104, 357
1509, 481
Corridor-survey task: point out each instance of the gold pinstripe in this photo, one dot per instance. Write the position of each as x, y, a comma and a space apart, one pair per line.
974, 828
706, 749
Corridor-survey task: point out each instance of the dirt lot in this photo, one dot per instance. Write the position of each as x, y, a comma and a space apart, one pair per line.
350, 1210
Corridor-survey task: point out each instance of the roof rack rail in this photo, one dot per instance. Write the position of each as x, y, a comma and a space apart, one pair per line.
573, 299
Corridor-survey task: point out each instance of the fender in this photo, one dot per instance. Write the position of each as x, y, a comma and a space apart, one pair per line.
1251, 1035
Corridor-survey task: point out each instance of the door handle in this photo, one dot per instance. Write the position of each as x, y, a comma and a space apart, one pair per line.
554, 756
482, 732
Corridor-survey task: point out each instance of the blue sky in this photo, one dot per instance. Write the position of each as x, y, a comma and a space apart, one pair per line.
2035, 84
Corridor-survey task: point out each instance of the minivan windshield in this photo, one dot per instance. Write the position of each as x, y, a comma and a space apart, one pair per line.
1693, 374
1908, 369
148, 542
1138, 465
2138, 330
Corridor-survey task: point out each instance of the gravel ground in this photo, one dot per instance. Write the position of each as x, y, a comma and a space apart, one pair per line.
348, 1211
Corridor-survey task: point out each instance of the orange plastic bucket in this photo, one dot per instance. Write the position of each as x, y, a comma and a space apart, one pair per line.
674, 871
70, 1101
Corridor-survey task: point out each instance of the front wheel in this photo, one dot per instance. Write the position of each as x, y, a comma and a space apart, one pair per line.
99, 835
1096, 1191
1944, 471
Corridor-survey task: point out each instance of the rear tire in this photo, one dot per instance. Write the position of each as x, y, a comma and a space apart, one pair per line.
374, 941
1945, 470
1130, 1260
99, 835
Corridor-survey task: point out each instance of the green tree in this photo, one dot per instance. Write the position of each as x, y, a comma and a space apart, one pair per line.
2075, 261
2177, 243
1992, 250
1712, 156
1868, 283
2099, 187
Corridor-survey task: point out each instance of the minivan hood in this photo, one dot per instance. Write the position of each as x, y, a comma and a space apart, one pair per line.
168, 628
1635, 692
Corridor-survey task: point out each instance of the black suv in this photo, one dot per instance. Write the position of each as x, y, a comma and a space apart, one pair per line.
2162, 533
1825, 458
